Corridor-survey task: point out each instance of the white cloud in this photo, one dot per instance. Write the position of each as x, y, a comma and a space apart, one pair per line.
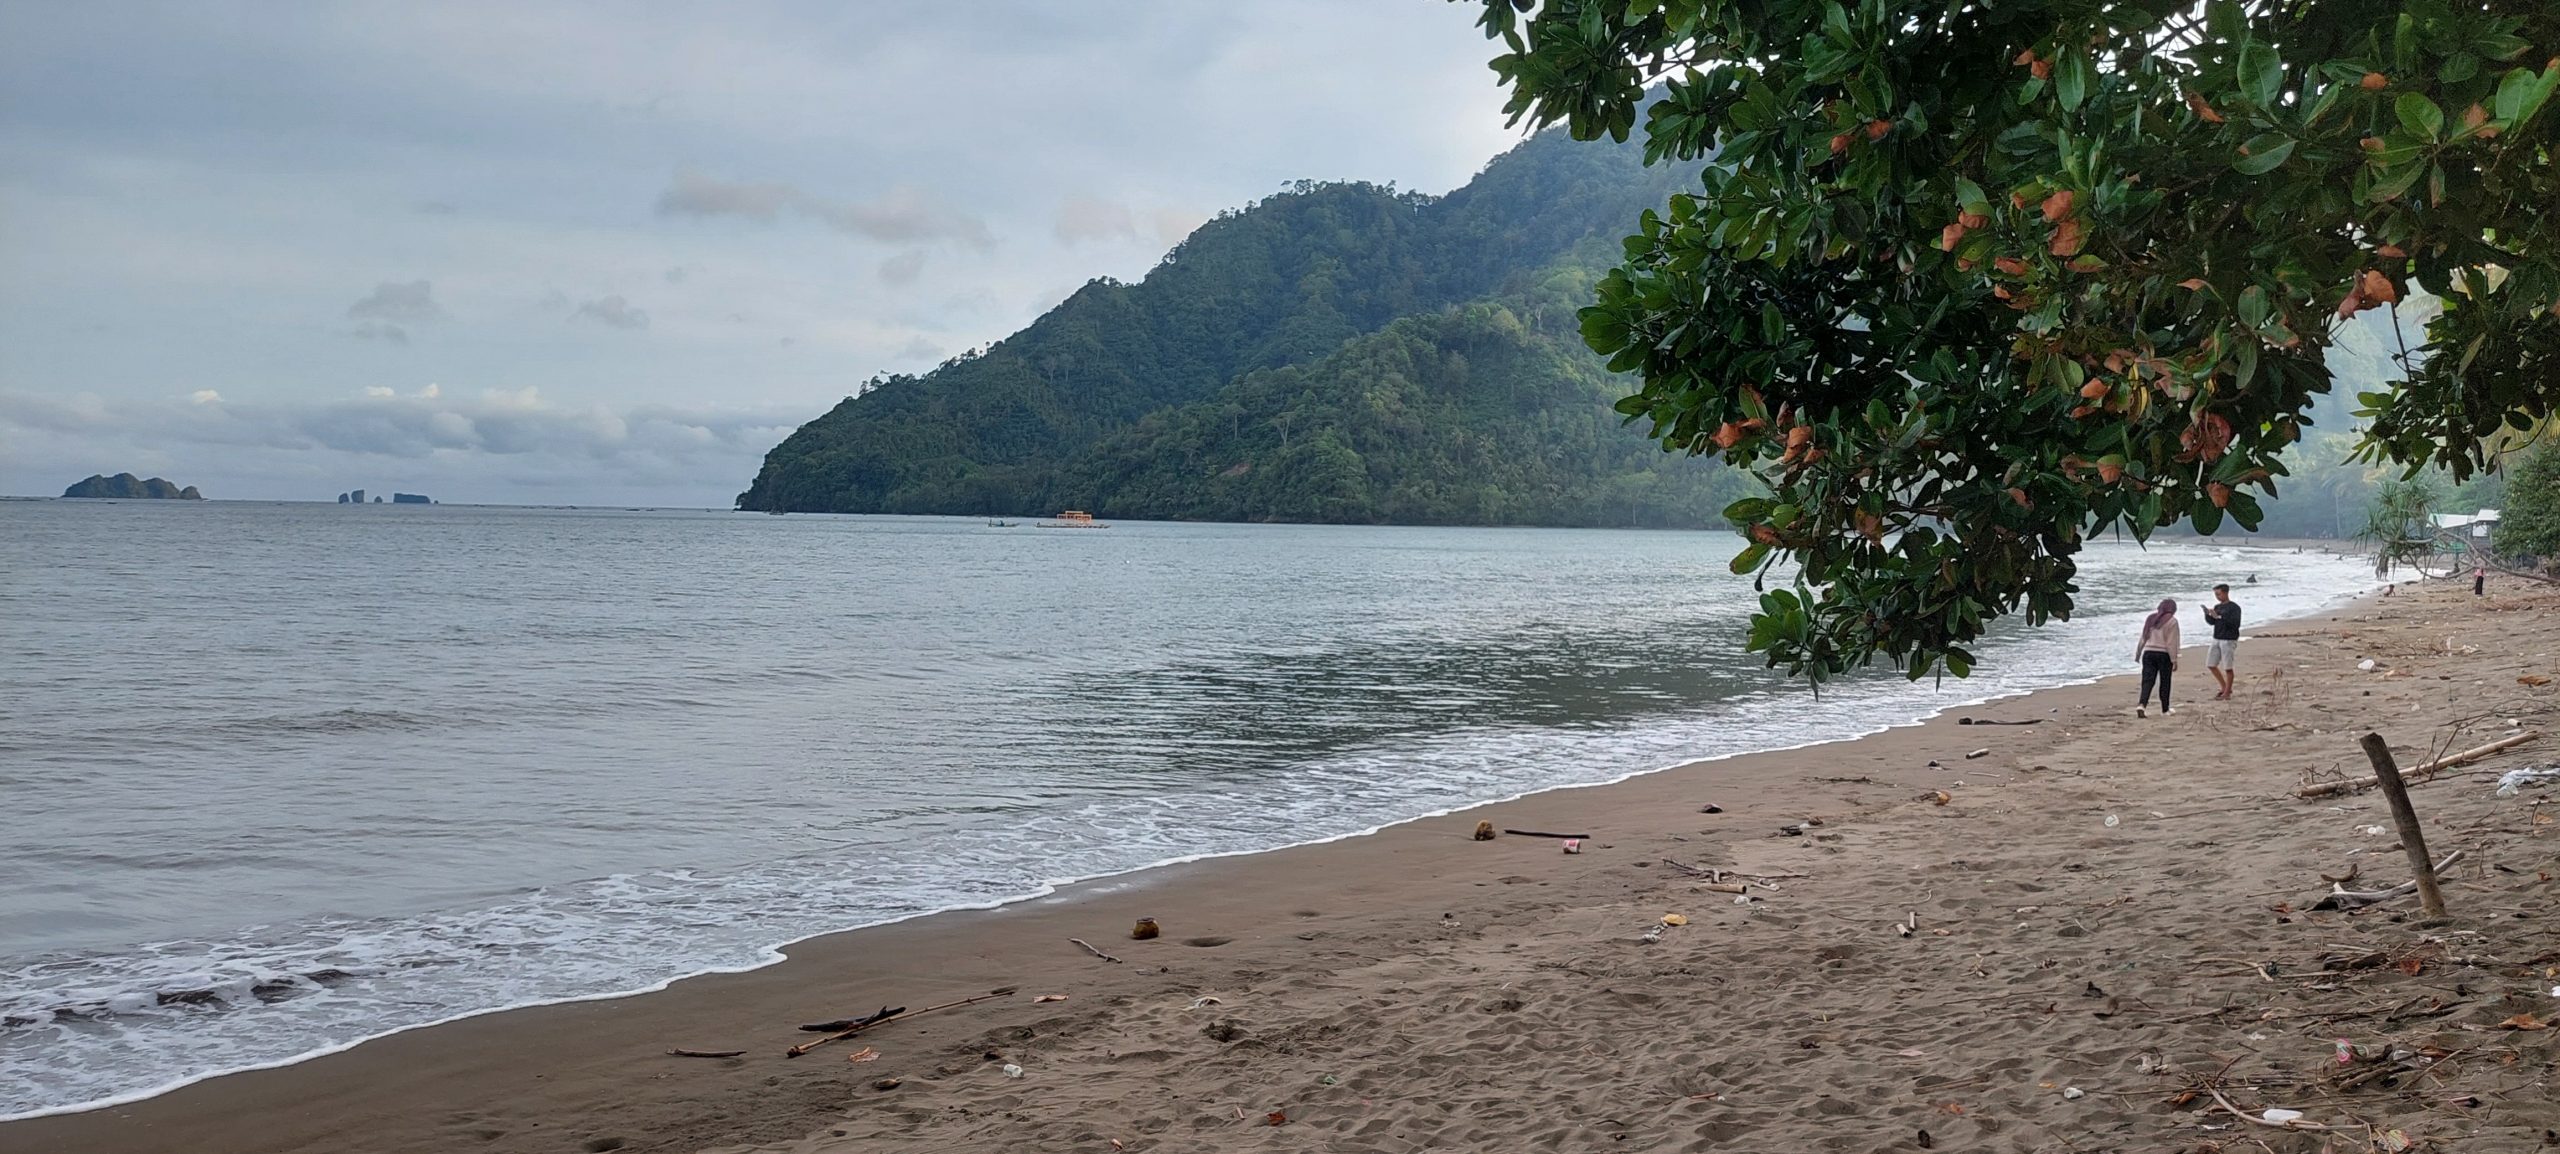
205, 396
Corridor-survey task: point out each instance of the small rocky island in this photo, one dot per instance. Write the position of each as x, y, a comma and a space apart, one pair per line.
128, 486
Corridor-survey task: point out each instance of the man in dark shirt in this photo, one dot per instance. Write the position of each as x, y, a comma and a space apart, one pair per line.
2222, 654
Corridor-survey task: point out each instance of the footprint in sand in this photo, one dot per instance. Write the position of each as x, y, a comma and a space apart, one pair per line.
1206, 943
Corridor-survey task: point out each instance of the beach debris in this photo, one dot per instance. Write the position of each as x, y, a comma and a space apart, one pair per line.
2278, 1116
1275, 1118
1484, 831
1088, 948
682, 1053
1537, 833
2368, 665
865, 1054
1674, 920
1924, 1141
2074, 1093
1710, 808
1988, 721
1013, 1069
1145, 930
1909, 925
2534, 680
896, 1016
887, 1083
2342, 898
1204, 1000
1939, 796
1048, 998
2423, 769
1977, 753
2113, 821
1727, 887
2524, 1022
854, 1023
2514, 780
1654, 934
1744, 899
1573, 845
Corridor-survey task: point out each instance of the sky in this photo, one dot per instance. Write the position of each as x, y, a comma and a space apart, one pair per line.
611, 252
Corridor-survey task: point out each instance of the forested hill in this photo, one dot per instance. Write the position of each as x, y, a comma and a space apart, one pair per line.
1338, 352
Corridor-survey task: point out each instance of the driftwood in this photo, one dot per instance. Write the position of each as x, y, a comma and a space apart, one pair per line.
2396, 791
805, 1047
1988, 721
849, 1023
1535, 833
705, 1053
2424, 768
2342, 898
2256, 1120
1088, 948
1727, 887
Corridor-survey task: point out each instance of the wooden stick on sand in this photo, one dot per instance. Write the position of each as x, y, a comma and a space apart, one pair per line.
805, 1047
1088, 948
2361, 784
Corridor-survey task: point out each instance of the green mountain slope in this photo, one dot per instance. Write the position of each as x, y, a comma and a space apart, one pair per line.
1336, 352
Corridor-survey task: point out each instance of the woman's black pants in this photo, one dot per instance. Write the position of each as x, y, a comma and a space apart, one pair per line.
2156, 666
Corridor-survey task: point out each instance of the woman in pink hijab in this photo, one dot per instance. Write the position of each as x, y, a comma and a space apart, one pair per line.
2158, 653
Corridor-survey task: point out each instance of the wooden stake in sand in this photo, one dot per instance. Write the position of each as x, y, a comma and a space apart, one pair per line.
2387, 775
2359, 785
805, 1047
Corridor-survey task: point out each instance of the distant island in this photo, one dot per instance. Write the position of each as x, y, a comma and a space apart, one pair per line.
131, 487
356, 497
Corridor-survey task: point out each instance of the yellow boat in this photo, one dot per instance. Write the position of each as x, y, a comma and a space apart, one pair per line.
1074, 519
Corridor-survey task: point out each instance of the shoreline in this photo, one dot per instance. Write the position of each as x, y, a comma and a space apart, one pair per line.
780, 953
596, 1069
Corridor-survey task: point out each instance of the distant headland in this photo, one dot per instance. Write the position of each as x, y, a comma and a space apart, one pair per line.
356, 497
126, 485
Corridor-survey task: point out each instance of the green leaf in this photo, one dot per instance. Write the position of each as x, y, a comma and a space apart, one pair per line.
1750, 559
1773, 324
2071, 79
2263, 153
2420, 115
2261, 74
2512, 90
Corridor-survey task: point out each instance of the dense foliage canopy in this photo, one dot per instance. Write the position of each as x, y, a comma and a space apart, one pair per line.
1338, 352
1966, 282
2529, 522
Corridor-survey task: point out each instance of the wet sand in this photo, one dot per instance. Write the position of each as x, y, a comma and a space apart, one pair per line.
2071, 982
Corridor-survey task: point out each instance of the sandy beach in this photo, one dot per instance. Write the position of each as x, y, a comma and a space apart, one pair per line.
2110, 945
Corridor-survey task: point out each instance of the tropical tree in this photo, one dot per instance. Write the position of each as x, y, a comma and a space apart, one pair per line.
2400, 523
1965, 282
2529, 522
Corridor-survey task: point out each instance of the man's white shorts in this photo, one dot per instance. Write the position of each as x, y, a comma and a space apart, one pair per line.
2222, 655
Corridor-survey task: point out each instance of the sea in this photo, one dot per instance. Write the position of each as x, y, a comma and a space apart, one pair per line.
279, 778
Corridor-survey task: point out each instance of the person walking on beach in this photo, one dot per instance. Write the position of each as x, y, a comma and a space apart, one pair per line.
2158, 653
2221, 659
2479, 579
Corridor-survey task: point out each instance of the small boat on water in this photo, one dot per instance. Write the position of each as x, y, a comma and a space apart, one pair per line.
1074, 519
1001, 523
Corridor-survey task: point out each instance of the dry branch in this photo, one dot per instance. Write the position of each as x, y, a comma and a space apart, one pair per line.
2361, 784
1088, 948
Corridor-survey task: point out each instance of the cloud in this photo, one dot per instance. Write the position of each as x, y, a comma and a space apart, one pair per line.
400, 304
1083, 218
903, 268
905, 216
611, 312
385, 313
205, 397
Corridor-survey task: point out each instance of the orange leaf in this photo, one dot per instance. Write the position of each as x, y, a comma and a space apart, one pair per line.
2393, 251
1949, 237
2094, 388
2010, 265
1972, 220
2041, 68
1275, 1118
2067, 238
2377, 287
2192, 282
2025, 56
1727, 435
2413, 966
1877, 128
2220, 493
2204, 111
2524, 1022
1839, 144
2375, 82
2059, 204
2020, 496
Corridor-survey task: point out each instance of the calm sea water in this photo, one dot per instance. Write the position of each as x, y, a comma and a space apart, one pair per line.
279, 778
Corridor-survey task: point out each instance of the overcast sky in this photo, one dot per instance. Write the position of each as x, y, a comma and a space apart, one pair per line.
612, 252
